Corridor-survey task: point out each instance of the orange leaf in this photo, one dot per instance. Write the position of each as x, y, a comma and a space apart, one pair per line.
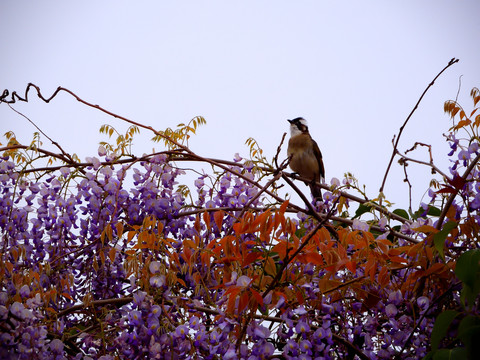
250, 258
426, 229
462, 123
242, 304
189, 243
109, 232
159, 227
233, 291
206, 219
477, 120
435, 268
206, 259
227, 259
270, 266
260, 220
111, 254
64, 294
257, 296
186, 254
370, 268
415, 249
280, 249
314, 258
283, 207
383, 246
218, 217
397, 259
102, 257
300, 297
119, 227
238, 228
212, 244
131, 234
383, 277
352, 266
197, 225
181, 282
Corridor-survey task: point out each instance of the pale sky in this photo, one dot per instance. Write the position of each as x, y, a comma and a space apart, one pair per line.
353, 69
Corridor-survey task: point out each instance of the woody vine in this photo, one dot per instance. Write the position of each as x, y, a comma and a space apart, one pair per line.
114, 257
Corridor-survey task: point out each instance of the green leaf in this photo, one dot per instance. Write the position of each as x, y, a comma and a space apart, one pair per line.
451, 354
467, 267
362, 209
402, 213
428, 356
441, 327
467, 270
418, 213
439, 238
469, 331
433, 211
397, 228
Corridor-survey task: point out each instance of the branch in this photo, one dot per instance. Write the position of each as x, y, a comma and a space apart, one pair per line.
221, 163
15, 97
430, 164
407, 180
288, 259
455, 192
114, 301
70, 160
278, 152
357, 199
450, 63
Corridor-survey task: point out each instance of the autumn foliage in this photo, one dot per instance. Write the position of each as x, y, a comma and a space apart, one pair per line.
115, 257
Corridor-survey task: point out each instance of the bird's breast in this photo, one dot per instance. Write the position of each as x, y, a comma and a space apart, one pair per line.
303, 160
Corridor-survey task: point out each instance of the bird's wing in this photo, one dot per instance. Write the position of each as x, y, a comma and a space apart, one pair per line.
318, 155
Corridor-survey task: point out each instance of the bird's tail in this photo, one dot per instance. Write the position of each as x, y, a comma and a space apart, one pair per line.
316, 191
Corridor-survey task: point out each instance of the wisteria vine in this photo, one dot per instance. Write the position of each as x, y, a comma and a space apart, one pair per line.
116, 258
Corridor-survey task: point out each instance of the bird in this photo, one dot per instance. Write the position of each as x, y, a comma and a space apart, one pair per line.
305, 155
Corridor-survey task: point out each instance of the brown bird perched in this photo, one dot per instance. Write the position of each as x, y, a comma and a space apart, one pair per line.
305, 156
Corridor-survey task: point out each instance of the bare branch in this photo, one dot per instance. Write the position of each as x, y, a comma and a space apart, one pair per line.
450, 63
15, 97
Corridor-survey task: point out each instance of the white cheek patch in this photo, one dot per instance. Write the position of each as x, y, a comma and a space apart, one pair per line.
294, 130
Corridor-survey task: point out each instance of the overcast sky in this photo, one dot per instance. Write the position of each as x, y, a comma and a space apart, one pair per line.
353, 69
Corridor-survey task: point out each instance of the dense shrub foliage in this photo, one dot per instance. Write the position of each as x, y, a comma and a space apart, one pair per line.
115, 258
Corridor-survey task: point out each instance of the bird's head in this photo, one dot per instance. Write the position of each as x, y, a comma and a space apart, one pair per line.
298, 126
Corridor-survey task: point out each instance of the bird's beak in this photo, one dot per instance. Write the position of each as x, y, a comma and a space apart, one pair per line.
290, 121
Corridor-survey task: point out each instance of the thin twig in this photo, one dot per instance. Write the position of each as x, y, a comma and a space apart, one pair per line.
450, 63
430, 164
114, 301
278, 152
405, 164
43, 133
455, 192
16, 97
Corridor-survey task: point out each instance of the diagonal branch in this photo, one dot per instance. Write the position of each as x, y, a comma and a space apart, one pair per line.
454, 194
450, 63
